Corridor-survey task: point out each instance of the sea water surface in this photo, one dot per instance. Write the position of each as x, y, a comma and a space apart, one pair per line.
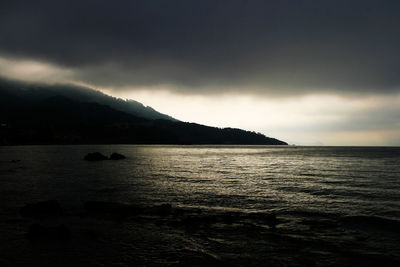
334, 205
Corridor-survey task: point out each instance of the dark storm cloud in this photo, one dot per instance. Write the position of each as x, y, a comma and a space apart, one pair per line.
203, 46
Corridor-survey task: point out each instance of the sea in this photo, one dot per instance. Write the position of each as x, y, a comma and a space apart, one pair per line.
230, 205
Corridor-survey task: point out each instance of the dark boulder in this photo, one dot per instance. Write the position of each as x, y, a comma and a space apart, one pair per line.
37, 232
116, 156
96, 156
111, 210
41, 209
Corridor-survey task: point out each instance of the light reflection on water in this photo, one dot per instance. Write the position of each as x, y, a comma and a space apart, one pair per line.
335, 206
342, 180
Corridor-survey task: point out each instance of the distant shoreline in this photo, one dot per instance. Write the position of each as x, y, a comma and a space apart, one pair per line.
216, 145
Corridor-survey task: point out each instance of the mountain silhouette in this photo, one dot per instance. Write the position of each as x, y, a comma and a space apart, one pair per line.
36, 114
36, 92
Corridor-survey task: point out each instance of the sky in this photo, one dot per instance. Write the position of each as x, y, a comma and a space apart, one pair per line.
306, 72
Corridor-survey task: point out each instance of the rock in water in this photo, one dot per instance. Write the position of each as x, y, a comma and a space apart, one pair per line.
116, 156
96, 156
114, 210
42, 209
38, 232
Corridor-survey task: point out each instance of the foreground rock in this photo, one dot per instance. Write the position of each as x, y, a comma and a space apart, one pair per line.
111, 210
41, 209
117, 156
120, 211
37, 232
96, 156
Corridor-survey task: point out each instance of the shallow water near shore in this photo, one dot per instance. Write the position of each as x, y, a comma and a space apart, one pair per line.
333, 205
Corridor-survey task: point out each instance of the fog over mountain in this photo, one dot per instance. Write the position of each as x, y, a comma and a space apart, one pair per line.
38, 92
44, 114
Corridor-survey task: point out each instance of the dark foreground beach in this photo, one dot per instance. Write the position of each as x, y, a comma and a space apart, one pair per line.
104, 233
200, 206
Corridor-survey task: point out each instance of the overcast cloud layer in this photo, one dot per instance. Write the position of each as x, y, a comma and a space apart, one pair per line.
278, 47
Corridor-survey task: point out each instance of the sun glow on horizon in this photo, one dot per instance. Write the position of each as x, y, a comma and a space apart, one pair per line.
307, 120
